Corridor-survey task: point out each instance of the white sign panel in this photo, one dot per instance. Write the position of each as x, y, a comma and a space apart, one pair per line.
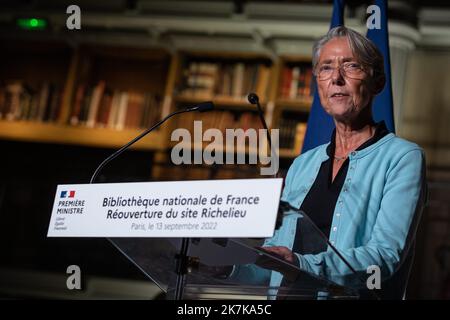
211, 208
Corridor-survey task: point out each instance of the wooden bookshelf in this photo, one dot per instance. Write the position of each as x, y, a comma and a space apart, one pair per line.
31, 65
63, 134
293, 96
125, 68
227, 78
167, 76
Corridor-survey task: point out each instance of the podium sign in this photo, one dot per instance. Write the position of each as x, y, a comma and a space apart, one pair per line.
210, 208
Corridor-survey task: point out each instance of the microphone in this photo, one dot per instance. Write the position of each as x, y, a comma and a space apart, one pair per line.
254, 99
201, 107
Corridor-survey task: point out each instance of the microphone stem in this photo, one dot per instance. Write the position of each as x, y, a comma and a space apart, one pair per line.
261, 116
126, 146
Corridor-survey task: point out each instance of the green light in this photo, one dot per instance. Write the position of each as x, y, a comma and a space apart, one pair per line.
34, 23
31, 23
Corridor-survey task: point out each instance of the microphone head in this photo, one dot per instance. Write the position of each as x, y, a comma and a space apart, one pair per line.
205, 106
253, 98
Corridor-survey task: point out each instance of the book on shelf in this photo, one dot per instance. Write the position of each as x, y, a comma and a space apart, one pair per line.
122, 111
237, 89
19, 101
102, 107
292, 133
94, 104
200, 79
76, 108
262, 82
235, 80
300, 131
114, 110
294, 85
296, 82
104, 110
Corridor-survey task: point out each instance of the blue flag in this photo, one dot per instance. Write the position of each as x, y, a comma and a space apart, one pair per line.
383, 106
320, 124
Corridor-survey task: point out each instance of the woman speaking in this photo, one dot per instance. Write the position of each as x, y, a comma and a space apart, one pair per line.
365, 189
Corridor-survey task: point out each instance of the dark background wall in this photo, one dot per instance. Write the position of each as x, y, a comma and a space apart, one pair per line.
28, 179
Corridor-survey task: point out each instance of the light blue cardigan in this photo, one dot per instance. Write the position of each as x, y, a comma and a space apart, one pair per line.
376, 215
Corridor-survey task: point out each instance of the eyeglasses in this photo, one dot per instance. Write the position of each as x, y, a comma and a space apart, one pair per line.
350, 70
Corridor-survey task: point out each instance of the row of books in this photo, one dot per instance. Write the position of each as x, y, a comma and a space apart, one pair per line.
19, 101
292, 134
236, 80
100, 107
296, 82
93, 106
